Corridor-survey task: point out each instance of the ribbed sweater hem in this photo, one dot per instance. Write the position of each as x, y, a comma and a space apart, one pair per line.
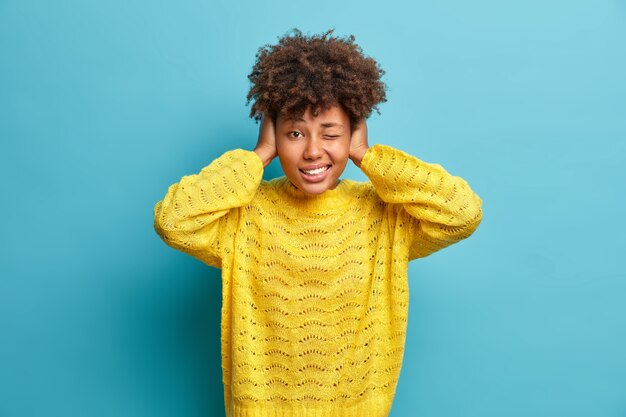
372, 407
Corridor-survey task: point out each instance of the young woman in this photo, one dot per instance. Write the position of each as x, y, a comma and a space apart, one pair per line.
314, 267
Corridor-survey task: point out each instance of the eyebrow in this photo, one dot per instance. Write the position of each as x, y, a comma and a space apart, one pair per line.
328, 124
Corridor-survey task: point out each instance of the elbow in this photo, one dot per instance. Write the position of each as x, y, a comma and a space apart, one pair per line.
161, 226
470, 218
165, 212
463, 221
166, 231
158, 224
157, 212
471, 226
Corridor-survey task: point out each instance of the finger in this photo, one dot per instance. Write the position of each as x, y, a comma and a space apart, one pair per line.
264, 129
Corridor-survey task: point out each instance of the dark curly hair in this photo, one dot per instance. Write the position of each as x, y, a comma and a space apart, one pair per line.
319, 70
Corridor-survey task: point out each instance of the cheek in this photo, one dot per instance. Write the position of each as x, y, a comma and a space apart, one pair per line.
341, 150
282, 147
287, 153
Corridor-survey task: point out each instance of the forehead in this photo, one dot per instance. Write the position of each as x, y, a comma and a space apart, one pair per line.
333, 116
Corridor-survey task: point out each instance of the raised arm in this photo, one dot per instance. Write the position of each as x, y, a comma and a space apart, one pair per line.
441, 208
193, 215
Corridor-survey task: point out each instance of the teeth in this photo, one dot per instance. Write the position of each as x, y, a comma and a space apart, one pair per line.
315, 171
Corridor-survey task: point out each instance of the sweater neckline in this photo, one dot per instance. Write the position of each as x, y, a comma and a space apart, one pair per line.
329, 201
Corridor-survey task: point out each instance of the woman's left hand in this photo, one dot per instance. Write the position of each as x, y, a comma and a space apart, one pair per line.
358, 142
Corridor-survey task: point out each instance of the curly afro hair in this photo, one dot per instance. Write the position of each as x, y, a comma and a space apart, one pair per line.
320, 71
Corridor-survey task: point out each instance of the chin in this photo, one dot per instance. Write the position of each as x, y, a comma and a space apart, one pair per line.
315, 189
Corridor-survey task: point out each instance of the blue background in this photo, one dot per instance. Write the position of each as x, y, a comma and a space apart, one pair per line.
103, 105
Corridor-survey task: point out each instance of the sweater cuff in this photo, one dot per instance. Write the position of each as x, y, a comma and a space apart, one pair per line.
255, 156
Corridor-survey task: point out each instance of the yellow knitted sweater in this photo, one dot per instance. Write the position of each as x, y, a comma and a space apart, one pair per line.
314, 288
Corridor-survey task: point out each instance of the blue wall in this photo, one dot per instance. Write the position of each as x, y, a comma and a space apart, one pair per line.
105, 104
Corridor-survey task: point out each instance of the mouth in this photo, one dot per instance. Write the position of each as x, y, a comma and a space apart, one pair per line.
315, 174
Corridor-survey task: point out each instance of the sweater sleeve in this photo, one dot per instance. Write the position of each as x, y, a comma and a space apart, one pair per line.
193, 214
440, 208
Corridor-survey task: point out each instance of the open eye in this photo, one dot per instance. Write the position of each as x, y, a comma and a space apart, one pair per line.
290, 134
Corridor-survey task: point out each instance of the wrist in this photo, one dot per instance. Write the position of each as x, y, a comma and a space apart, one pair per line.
357, 155
265, 155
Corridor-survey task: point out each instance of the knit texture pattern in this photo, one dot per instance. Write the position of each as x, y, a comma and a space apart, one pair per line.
314, 288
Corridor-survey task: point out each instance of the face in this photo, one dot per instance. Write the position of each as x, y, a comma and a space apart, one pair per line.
314, 150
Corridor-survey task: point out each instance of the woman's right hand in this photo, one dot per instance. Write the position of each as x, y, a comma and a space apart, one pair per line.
266, 144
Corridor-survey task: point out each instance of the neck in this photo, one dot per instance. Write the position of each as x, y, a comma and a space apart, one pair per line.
329, 201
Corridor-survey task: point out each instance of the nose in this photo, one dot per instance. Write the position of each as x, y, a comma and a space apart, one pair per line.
313, 149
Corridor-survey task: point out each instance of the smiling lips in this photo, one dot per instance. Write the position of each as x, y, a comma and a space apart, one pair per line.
315, 174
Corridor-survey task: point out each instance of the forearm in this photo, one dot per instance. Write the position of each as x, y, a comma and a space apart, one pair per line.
427, 191
196, 200
193, 212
